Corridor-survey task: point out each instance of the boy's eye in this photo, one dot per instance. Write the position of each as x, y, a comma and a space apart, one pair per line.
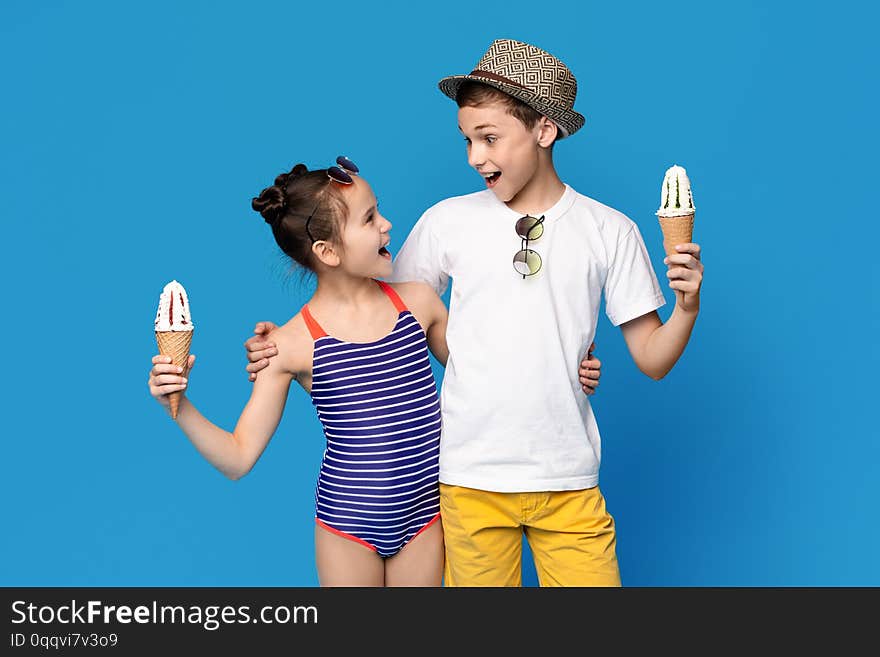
491, 139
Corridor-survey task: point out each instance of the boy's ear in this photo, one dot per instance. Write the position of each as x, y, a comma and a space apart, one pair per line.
326, 252
547, 132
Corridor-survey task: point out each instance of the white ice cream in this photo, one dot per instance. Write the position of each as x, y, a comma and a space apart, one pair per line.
676, 199
173, 313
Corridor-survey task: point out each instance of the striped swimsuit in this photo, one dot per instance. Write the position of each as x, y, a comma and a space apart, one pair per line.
378, 403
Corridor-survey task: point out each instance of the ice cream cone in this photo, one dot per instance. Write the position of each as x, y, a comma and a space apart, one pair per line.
175, 344
676, 230
676, 212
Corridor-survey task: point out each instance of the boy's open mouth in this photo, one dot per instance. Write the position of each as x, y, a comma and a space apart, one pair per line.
385, 253
492, 178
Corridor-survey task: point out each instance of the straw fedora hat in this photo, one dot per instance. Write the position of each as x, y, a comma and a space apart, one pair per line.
529, 74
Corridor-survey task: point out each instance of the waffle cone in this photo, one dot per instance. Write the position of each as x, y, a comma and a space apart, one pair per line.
175, 344
676, 230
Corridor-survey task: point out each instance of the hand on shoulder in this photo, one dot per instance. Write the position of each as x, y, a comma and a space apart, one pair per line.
294, 345
291, 343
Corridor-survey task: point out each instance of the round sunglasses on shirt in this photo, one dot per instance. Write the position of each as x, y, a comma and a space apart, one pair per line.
342, 173
526, 261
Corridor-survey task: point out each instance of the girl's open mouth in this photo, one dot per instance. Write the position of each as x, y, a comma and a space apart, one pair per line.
385, 253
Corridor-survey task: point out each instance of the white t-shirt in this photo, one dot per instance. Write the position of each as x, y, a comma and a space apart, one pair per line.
515, 418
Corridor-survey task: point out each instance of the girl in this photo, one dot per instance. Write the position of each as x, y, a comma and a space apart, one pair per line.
359, 348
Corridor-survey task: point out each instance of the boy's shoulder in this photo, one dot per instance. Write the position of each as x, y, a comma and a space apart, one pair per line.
455, 205
600, 211
612, 224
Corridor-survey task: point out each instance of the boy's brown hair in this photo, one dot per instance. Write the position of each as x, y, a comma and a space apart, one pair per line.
474, 94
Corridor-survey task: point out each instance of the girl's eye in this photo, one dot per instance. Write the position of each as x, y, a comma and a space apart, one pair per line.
491, 139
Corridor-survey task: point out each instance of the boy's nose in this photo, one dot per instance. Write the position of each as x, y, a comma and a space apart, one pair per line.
475, 157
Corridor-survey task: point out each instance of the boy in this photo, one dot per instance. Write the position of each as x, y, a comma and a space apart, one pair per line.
520, 449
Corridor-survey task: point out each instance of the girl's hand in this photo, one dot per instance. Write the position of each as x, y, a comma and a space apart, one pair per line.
590, 371
685, 275
166, 378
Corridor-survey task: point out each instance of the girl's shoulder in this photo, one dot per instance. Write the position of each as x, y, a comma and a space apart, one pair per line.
294, 343
414, 292
422, 301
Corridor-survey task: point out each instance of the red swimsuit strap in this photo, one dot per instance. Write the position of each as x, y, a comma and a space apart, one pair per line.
314, 328
395, 298
318, 332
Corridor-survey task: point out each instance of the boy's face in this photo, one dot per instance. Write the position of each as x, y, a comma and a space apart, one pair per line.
500, 148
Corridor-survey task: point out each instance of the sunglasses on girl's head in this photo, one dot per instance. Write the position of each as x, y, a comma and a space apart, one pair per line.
342, 173
526, 261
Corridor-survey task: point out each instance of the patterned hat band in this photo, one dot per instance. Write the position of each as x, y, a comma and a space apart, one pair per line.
561, 104
498, 78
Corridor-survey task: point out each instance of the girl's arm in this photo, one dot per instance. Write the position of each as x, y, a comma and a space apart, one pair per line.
235, 453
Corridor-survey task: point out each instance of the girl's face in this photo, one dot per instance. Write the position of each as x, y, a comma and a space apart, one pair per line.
366, 234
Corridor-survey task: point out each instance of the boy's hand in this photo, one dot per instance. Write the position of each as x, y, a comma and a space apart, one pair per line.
259, 350
685, 275
166, 378
589, 371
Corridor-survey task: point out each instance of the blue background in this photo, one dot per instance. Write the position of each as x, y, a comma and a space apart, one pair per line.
132, 139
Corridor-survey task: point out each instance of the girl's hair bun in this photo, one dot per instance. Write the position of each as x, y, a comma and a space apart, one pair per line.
272, 201
283, 179
271, 204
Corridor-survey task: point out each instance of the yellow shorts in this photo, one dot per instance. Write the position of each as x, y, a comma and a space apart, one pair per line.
570, 534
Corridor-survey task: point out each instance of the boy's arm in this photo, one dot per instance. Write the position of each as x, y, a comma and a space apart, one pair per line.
436, 331
259, 349
420, 258
656, 347
430, 312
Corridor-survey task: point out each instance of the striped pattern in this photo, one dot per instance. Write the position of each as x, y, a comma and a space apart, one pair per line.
379, 407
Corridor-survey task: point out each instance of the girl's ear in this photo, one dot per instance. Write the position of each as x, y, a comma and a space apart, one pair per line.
547, 131
326, 252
